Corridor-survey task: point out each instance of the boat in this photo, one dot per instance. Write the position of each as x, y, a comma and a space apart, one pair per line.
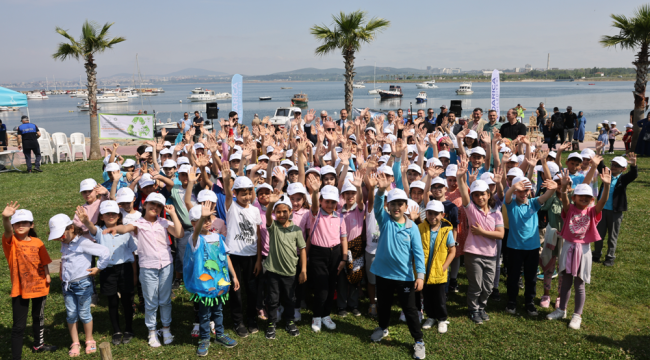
283, 115
299, 99
431, 84
147, 92
394, 91
158, 91
111, 98
358, 85
262, 98
591, 84
4, 108
286, 88
86, 107
223, 95
129, 94
374, 90
37, 95
465, 89
421, 97
201, 95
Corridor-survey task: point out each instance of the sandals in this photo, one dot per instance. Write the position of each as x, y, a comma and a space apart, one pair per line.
74, 351
91, 346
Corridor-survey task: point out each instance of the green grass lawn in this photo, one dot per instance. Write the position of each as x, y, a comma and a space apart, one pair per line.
616, 319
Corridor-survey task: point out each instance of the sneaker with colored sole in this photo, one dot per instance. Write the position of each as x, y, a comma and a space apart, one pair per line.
270, 332
327, 321
575, 322
418, 350
292, 329
378, 334
316, 324
204, 345
556, 315
226, 341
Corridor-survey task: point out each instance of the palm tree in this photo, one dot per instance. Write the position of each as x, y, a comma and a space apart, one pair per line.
634, 33
348, 33
93, 40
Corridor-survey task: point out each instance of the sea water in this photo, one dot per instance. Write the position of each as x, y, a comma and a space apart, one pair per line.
603, 101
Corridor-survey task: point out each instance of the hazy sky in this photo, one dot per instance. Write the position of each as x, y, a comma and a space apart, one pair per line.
262, 37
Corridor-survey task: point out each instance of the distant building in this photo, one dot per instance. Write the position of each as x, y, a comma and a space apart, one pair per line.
428, 68
601, 74
528, 67
518, 70
451, 71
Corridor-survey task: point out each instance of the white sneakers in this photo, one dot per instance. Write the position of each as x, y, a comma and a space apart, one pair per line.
556, 315
153, 339
575, 322
442, 326
327, 321
315, 324
168, 338
296, 315
429, 323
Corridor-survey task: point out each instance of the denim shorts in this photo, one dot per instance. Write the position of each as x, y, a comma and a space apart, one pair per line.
77, 301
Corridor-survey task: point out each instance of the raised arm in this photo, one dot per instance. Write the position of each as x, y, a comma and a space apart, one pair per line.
358, 182
550, 186
83, 216
175, 230
8, 212
589, 178
315, 186
225, 174
606, 178
461, 176
566, 186
207, 210
273, 198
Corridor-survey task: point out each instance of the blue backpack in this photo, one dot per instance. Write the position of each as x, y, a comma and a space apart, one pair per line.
205, 271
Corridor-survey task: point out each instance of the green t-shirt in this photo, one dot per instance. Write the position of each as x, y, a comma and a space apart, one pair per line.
283, 243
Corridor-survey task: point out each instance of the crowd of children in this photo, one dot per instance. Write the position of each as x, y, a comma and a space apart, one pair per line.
261, 217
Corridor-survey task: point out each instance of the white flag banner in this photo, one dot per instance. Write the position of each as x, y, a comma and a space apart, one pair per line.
495, 90
126, 126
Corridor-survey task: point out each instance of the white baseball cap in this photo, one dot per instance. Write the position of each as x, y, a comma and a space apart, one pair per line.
620, 160
288, 153
112, 167
397, 194
296, 188
520, 159
57, 224
386, 170
439, 180
444, 154
513, 158
128, 163
384, 159
587, 153
386, 149
479, 185
184, 169
478, 150
527, 183
516, 172
629, 126
574, 155
166, 151
286, 162
262, 157
315, 170
613, 123
242, 182
329, 192
269, 149
293, 168
233, 175
435, 205
371, 129
327, 157
391, 137
237, 148
553, 154
207, 195
169, 164
239, 139
583, 189
327, 170
109, 206
22, 215
87, 185
605, 122
284, 200
451, 170
157, 198
124, 195
181, 160
552, 167
148, 149
235, 156
106, 159
167, 143
347, 186
472, 134
434, 161
195, 212
417, 184
264, 186
487, 177
411, 203
146, 180
416, 168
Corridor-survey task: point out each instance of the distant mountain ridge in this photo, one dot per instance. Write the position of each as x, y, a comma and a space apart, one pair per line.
361, 70
184, 72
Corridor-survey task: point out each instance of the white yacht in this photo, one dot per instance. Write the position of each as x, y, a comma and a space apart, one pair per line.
359, 85
431, 84
224, 95
374, 92
86, 107
36, 95
465, 89
421, 97
200, 95
112, 98
129, 94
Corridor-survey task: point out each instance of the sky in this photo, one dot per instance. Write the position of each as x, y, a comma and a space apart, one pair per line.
263, 37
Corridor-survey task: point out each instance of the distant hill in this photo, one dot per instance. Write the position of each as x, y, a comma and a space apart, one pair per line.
361, 70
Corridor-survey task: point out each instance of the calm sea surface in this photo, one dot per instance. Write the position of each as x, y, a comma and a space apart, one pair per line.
603, 101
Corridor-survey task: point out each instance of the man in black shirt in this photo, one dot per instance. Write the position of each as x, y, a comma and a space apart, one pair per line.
570, 119
541, 116
198, 121
28, 135
557, 119
443, 113
512, 128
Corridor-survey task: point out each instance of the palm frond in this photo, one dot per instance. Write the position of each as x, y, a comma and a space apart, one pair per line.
65, 51
633, 32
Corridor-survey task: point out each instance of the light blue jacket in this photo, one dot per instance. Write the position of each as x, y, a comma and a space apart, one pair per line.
397, 174
398, 248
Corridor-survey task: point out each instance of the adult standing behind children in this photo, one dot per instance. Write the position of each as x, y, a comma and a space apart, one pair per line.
28, 135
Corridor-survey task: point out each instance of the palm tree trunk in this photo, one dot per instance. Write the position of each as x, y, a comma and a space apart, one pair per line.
348, 55
91, 74
640, 100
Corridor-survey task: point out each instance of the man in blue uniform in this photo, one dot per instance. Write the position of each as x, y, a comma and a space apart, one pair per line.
28, 135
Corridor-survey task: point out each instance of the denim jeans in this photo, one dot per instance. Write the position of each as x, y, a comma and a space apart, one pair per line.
181, 245
157, 291
77, 301
207, 314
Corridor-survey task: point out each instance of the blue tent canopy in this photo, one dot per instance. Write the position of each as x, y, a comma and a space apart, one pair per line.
12, 98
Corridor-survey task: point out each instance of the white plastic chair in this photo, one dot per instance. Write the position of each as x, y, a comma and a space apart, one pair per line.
46, 149
61, 146
78, 142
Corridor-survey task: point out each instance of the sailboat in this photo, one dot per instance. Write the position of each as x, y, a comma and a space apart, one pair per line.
374, 90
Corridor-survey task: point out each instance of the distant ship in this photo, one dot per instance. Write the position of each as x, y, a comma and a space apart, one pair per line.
422, 97
465, 89
394, 91
300, 99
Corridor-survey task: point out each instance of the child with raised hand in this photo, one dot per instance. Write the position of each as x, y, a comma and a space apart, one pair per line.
399, 252
280, 265
155, 260
327, 249
523, 239
30, 277
76, 277
372, 237
486, 227
439, 248
208, 274
243, 241
120, 274
580, 221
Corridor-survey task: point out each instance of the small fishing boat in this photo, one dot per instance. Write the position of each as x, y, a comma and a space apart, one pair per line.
431, 84
300, 99
263, 98
465, 89
394, 91
86, 107
421, 97
358, 85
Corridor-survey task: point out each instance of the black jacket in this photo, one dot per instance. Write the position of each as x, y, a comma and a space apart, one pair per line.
558, 121
570, 120
619, 197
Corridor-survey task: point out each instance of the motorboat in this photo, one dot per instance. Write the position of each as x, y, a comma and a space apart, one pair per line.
223, 96
299, 99
394, 91
283, 115
80, 95
359, 85
201, 95
86, 107
263, 98
4, 108
158, 91
112, 98
431, 84
147, 92
373, 92
37, 95
465, 89
130, 94
421, 97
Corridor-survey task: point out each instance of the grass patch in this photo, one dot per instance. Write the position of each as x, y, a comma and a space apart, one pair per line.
615, 324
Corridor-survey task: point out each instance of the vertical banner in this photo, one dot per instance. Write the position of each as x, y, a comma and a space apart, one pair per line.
495, 89
237, 98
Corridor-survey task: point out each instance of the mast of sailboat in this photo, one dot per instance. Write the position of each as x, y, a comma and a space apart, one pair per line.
47, 84
137, 63
374, 80
53, 77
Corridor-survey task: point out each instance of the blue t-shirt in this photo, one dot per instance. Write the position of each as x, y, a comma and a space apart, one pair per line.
523, 221
107, 178
434, 235
577, 178
608, 204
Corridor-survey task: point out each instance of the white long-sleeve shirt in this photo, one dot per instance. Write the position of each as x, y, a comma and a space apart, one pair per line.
76, 258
